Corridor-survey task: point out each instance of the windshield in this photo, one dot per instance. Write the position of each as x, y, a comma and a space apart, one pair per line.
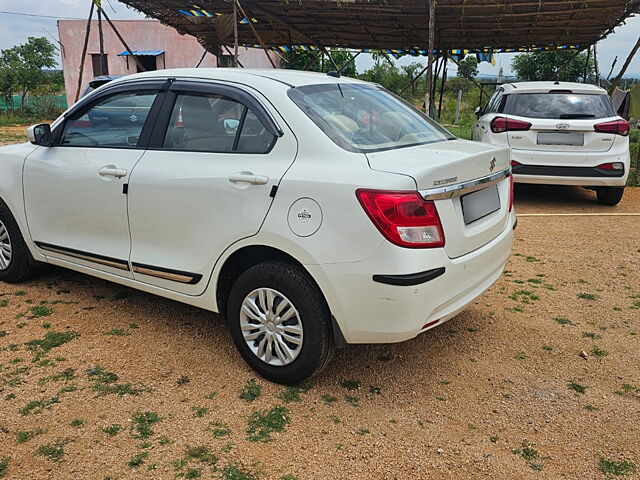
559, 105
366, 118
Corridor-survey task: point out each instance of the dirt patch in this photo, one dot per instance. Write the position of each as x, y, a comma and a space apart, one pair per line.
9, 135
538, 379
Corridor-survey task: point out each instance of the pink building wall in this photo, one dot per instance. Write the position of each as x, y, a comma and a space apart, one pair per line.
180, 50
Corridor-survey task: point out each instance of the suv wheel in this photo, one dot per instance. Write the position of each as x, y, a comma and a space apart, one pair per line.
610, 195
280, 323
16, 262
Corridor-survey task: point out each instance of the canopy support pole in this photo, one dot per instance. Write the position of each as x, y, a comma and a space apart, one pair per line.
595, 62
101, 36
428, 100
122, 40
255, 32
236, 42
627, 62
84, 50
444, 80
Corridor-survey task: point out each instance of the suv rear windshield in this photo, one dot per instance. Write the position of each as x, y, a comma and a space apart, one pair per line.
560, 105
366, 118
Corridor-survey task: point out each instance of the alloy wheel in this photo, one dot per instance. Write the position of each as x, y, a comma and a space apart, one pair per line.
271, 327
5, 247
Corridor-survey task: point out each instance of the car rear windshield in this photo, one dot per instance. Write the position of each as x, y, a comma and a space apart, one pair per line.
366, 118
560, 105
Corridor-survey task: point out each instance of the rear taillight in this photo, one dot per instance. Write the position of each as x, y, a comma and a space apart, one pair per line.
511, 192
617, 127
404, 218
503, 124
611, 166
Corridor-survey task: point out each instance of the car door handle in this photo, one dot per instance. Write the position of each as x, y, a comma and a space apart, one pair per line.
111, 171
248, 177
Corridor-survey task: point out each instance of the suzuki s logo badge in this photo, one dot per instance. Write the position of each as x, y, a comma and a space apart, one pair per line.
492, 164
133, 118
562, 126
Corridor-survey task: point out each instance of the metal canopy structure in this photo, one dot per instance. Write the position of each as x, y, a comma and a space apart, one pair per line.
400, 25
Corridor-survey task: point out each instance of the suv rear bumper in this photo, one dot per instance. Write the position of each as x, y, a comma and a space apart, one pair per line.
569, 168
369, 311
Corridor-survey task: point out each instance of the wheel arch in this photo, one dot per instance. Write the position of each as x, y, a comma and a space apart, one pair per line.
248, 256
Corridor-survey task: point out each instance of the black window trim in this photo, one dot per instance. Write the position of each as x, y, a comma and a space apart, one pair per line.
91, 101
156, 142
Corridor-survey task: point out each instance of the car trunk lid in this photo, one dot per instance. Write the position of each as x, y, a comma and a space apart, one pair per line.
469, 222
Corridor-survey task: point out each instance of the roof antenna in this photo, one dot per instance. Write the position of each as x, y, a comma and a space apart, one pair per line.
338, 73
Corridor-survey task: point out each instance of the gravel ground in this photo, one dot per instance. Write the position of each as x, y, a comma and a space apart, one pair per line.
536, 380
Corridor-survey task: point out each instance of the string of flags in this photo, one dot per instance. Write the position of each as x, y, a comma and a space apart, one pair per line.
483, 55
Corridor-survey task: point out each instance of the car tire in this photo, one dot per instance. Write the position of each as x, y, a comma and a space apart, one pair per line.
610, 195
16, 264
259, 299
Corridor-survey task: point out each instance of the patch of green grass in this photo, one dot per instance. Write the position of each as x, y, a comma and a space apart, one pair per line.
137, 460
193, 473
563, 321
142, 423
289, 476
251, 390
328, 399
77, 423
590, 408
290, 394
363, 431
23, 436
52, 451
547, 348
350, 384
201, 454
211, 396
587, 296
182, 380
335, 419
353, 400
4, 466
263, 423
234, 471
528, 453
36, 406
199, 412
591, 335
105, 383
4, 302
598, 352
41, 311
66, 375
528, 258
514, 309
576, 387
219, 429
50, 341
611, 467
524, 296
112, 430
520, 356
118, 332
535, 281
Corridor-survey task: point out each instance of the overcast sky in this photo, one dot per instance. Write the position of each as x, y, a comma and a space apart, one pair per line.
16, 29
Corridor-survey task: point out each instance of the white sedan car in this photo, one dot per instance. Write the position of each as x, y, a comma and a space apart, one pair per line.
560, 134
311, 211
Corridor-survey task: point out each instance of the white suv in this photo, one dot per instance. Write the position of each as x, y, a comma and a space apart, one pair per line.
560, 134
311, 211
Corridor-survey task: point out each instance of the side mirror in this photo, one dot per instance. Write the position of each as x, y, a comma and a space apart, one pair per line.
40, 134
479, 111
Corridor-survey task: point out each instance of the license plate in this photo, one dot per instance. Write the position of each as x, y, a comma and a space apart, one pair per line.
561, 138
479, 204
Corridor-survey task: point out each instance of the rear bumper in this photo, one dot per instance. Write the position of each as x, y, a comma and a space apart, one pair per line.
570, 168
370, 311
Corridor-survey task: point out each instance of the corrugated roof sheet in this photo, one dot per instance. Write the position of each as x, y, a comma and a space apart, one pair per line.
142, 53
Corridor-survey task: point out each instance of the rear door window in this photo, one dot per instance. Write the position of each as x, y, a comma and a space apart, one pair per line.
559, 105
217, 124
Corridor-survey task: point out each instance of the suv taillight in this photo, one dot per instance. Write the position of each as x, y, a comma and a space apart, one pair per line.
404, 218
503, 124
617, 127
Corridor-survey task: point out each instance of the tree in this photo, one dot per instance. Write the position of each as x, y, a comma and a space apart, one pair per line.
317, 61
24, 64
563, 64
468, 68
